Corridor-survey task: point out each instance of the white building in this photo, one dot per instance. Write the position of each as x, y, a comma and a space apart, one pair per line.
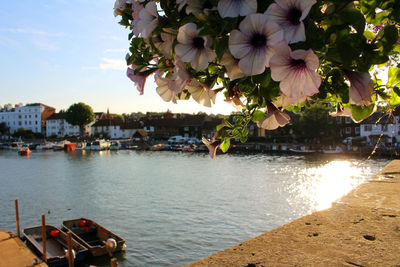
57, 125
115, 129
29, 117
378, 126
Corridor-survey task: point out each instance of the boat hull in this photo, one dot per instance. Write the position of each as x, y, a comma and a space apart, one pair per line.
92, 235
55, 246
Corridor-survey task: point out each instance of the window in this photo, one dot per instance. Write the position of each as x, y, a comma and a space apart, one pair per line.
26, 123
29, 116
19, 116
347, 120
367, 128
29, 122
35, 115
357, 130
338, 119
348, 130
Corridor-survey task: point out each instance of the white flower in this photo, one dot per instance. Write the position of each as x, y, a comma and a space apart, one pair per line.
253, 44
197, 7
283, 101
290, 15
136, 8
194, 48
201, 93
234, 8
235, 102
361, 88
275, 118
166, 88
164, 44
148, 20
295, 71
231, 64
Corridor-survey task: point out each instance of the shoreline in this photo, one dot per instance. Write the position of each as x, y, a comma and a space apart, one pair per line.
360, 229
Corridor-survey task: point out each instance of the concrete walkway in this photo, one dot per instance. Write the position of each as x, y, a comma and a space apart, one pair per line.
360, 229
14, 253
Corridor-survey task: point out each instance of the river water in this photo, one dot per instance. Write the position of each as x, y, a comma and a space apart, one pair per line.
171, 207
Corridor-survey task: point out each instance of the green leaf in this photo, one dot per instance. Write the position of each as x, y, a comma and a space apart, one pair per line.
395, 97
225, 145
355, 18
361, 113
220, 126
393, 76
258, 115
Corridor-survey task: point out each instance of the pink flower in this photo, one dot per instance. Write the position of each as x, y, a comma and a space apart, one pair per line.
136, 8
201, 93
275, 118
194, 48
139, 78
361, 87
295, 71
289, 14
232, 68
253, 43
148, 19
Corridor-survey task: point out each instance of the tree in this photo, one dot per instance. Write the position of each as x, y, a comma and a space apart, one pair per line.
315, 122
79, 114
4, 128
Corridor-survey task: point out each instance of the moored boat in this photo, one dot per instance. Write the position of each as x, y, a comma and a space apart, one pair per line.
100, 145
56, 245
24, 151
115, 145
96, 238
302, 150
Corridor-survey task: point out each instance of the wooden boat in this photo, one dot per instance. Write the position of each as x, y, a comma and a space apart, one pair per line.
97, 239
56, 245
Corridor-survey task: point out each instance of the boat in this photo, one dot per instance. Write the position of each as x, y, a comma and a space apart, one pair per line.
45, 146
16, 145
337, 150
24, 151
115, 145
158, 147
60, 145
96, 238
100, 145
302, 150
80, 146
70, 147
56, 245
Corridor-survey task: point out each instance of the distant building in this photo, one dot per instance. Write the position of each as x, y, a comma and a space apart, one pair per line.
29, 117
115, 128
57, 125
381, 126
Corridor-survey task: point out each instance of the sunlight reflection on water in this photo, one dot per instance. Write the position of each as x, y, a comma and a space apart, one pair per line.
320, 186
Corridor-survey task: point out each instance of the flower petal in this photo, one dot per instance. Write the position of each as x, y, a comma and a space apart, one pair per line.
238, 44
187, 32
186, 52
255, 62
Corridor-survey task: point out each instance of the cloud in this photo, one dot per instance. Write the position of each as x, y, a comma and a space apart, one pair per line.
45, 45
108, 64
121, 50
34, 32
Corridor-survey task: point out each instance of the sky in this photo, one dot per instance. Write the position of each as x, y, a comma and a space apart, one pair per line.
60, 52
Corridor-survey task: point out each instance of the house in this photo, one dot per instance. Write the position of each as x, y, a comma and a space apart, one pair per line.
381, 126
57, 125
115, 128
29, 117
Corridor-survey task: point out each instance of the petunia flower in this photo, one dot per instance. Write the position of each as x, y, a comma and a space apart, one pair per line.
194, 48
295, 71
283, 101
275, 118
164, 44
136, 8
253, 43
232, 68
212, 147
197, 7
290, 15
165, 88
201, 93
234, 8
139, 78
120, 5
361, 88
148, 20
235, 102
